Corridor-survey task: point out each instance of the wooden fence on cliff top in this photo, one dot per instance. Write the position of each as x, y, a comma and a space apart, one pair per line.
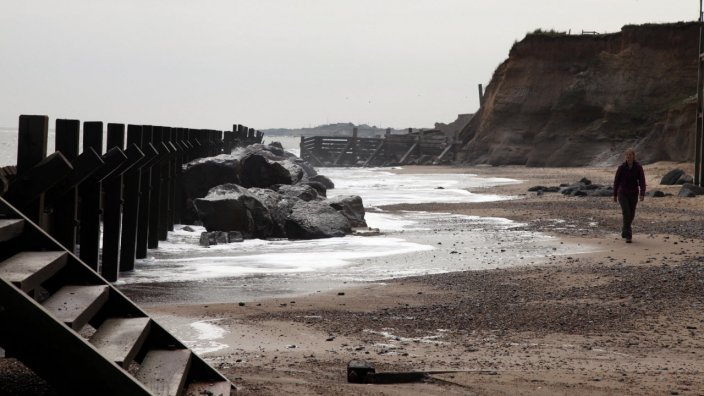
134, 187
421, 147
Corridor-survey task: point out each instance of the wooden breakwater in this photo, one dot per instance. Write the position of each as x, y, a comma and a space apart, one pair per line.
421, 147
133, 189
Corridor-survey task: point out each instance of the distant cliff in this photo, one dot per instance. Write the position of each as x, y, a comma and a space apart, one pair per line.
573, 100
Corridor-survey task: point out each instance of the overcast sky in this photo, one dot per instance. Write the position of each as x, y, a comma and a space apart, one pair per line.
276, 63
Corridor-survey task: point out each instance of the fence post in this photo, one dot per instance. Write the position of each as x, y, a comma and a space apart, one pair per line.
178, 169
421, 140
145, 196
156, 188
112, 186
130, 210
63, 227
89, 234
170, 201
31, 149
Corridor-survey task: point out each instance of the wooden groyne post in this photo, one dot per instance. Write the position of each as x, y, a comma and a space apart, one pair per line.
133, 189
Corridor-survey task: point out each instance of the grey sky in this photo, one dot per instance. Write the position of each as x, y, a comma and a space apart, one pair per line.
276, 63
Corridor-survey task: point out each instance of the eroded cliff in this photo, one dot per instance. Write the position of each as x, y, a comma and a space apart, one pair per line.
572, 100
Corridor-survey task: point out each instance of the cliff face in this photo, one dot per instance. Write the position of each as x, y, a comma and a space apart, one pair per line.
565, 100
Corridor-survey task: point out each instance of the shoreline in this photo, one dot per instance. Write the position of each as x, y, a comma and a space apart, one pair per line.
621, 319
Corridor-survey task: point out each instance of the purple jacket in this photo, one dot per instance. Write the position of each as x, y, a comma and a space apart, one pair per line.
628, 180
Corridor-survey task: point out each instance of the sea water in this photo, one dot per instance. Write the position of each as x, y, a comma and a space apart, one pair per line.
355, 258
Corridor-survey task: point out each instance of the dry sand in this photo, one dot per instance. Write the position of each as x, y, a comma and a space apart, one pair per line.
623, 319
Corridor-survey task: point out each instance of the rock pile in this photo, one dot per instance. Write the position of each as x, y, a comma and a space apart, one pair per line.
584, 187
262, 191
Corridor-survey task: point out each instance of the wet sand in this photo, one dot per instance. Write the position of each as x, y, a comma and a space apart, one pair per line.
620, 319
625, 318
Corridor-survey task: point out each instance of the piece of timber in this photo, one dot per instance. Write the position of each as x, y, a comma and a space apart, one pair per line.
113, 159
76, 305
31, 184
408, 153
221, 388
27, 270
374, 154
164, 371
119, 339
85, 165
10, 229
349, 144
445, 151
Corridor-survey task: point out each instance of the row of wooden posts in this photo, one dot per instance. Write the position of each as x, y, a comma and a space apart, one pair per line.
389, 150
135, 187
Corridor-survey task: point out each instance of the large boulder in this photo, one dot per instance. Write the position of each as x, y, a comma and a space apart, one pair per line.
671, 177
230, 207
690, 190
315, 219
351, 206
298, 167
258, 171
200, 175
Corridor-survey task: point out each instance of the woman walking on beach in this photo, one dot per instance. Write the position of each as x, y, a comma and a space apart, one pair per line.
629, 179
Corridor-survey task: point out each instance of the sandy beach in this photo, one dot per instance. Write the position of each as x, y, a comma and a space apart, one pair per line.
618, 319
621, 319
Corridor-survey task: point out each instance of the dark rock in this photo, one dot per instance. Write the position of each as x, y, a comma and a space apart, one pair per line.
234, 236
690, 190
685, 179
324, 180
585, 181
279, 207
318, 186
315, 219
301, 191
655, 193
671, 177
230, 207
201, 175
258, 171
544, 189
204, 239
601, 192
351, 206
187, 228
220, 237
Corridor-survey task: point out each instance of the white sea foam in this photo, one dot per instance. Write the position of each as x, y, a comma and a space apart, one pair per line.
180, 258
378, 186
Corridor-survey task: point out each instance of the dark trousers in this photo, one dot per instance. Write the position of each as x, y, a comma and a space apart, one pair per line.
628, 204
